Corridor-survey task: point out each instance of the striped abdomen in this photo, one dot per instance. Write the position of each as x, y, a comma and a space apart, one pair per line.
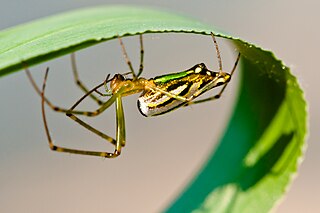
185, 84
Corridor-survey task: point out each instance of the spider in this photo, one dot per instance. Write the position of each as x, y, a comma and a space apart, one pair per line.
159, 95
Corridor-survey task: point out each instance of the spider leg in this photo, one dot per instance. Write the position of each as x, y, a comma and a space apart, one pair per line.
141, 56
120, 129
79, 82
120, 138
217, 50
126, 57
46, 100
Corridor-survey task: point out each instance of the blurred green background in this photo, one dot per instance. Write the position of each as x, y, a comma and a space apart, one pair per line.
162, 153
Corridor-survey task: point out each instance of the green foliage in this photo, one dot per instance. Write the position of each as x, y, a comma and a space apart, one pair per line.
252, 166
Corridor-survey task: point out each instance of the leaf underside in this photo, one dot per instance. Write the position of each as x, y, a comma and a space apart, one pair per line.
259, 152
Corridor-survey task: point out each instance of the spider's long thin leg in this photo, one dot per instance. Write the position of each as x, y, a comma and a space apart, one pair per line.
34, 85
221, 91
218, 52
103, 107
121, 127
108, 138
126, 57
141, 56
79, 82
46, 100
120, 130
74, 151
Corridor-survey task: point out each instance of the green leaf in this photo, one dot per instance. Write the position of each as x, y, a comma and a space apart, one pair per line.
41, 40
252, 166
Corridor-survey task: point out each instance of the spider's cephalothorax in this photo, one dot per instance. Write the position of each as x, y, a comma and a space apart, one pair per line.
159, 95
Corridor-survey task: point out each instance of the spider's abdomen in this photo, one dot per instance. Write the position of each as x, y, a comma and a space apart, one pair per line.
186, 84
152, 103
